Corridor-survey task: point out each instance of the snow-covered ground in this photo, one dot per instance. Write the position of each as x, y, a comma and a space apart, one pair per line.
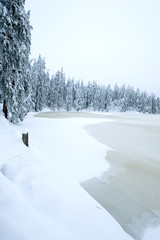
40, 195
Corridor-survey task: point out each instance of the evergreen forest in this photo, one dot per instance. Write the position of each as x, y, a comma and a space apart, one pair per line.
25, 85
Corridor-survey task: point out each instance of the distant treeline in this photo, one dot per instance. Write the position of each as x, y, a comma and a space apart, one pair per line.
58, 93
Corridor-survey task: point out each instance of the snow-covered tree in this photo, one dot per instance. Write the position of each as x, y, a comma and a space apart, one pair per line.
69, 94
15, 39
96, 94
78, 96
137, 100
152, 108
47, 89
116, 92
52, 95
89, 96
57, 91
158, 105
129, 99
109, 103
59, 86
38, 80
83, 95
102, 98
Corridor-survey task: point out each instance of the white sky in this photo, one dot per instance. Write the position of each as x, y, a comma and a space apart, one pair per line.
110, 41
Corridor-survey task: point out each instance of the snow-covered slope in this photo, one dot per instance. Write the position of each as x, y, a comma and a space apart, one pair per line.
40, 195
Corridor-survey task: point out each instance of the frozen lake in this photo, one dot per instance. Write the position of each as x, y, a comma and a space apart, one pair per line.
130, 190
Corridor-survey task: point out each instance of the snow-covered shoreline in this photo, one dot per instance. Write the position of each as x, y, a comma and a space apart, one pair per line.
40, 195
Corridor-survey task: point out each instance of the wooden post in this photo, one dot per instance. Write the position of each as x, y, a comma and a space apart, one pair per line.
25, 139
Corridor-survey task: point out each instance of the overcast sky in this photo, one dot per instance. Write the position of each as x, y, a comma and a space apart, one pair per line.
110, 41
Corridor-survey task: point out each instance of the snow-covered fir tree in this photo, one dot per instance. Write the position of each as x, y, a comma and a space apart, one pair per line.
39, 84
116, 93
108, 104
89, 96
51, 94
59, 89
158, 105
128, 104
15, 39
102, 98
47, 90
69, 95
152, 108
96, 97
79, 101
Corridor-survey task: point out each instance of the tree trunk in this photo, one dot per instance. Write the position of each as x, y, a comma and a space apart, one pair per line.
5, 110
